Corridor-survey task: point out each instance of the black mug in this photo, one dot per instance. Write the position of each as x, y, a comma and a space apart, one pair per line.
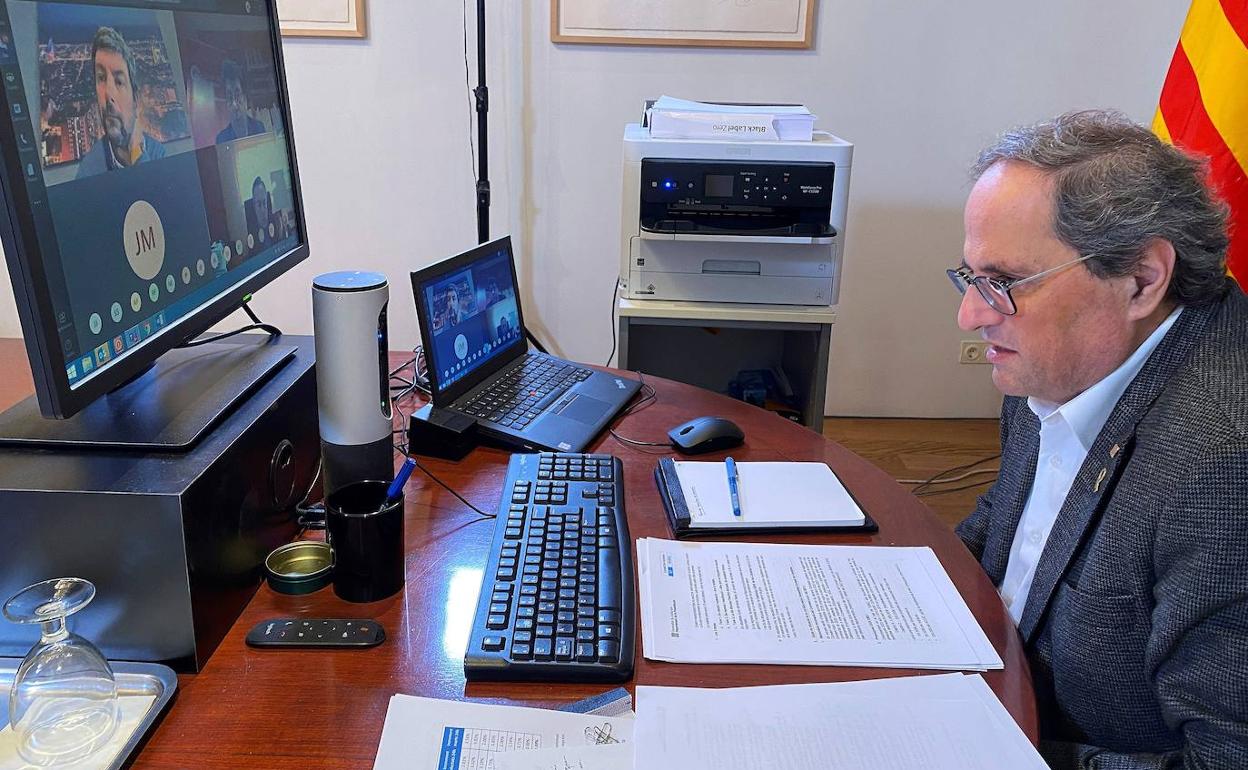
366, 532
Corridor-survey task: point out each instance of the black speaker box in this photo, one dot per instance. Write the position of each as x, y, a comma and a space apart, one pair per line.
173, 541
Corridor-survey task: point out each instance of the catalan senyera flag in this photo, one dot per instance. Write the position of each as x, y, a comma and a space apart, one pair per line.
1204, 108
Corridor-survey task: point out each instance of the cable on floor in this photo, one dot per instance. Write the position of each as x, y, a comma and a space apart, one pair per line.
936, 478
934, 492
951, 479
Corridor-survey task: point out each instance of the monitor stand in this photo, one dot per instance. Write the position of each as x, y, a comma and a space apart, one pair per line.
167, 408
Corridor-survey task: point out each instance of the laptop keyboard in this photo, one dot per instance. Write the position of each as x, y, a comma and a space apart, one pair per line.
517, 397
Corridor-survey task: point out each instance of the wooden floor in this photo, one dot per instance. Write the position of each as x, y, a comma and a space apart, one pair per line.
920, 449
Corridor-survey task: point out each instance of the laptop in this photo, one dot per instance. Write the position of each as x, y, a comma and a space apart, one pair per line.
479, 364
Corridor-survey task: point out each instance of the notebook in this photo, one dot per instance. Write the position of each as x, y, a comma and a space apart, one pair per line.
774, 496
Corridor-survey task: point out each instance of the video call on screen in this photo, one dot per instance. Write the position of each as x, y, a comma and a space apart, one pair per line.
474, 316
155, 155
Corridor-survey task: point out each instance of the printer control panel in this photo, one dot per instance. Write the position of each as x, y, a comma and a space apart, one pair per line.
747, 184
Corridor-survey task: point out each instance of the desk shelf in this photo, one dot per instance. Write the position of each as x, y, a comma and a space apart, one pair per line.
708, 343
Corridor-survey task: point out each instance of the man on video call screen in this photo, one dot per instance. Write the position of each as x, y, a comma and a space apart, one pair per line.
158, 142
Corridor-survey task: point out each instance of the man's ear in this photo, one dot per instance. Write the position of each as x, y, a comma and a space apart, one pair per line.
1151, 278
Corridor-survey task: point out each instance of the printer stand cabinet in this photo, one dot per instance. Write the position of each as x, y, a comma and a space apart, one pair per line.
708, 343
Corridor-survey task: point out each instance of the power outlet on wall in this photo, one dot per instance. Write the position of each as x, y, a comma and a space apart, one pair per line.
973, 352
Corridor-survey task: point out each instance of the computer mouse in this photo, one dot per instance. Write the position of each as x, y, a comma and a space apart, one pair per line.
705, 434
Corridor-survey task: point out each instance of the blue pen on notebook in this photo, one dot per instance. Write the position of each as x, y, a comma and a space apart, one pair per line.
733, 490
396, 486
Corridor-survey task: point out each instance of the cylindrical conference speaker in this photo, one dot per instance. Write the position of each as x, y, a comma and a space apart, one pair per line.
352, 377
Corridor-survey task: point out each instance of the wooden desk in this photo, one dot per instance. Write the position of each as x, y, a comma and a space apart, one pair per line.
277, 709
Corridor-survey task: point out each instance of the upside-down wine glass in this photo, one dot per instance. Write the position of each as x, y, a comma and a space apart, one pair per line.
63, 705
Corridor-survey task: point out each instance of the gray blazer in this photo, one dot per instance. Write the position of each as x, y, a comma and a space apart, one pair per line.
1136, 626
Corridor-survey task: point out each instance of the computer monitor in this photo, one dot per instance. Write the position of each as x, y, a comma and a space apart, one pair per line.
149, 179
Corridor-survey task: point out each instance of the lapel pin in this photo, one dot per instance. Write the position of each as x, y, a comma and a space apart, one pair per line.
1113, 451
1099, 478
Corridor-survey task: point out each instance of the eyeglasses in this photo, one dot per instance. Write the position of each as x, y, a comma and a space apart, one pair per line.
995, 291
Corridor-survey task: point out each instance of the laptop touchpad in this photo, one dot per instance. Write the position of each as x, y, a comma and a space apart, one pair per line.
584, 409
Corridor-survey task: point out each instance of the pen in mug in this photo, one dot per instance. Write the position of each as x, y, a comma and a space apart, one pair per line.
396, 486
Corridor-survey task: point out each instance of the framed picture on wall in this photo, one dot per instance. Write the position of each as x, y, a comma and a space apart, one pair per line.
729, 23
321, 18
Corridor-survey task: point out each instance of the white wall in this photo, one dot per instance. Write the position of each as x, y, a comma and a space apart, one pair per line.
382, 134
918, 88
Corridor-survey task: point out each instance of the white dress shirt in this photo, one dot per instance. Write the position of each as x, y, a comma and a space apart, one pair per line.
1067, 432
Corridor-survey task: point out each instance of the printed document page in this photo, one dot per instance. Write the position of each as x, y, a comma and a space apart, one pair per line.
454, 735
899, 724
616, 756
770, 494
805, 604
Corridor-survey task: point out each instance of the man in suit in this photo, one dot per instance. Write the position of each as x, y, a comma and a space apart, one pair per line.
117, 96
1117, 530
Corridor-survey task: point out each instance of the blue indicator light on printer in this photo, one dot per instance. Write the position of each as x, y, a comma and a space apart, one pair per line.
669, 184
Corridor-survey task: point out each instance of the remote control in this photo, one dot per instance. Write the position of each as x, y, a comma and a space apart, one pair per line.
316, 632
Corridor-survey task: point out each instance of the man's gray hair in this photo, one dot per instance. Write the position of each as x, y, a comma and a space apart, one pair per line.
109, 39
1119, 187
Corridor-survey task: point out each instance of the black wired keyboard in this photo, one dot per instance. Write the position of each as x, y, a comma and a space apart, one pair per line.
556, 600
518, 396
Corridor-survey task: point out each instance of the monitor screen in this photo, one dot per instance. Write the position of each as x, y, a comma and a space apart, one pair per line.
472, 314
154, 158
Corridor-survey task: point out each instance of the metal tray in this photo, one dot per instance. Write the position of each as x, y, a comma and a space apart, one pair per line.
132, 679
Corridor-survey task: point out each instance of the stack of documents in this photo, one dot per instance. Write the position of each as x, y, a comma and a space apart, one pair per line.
806, 605
946, 722
942, 722
672, 118
454, 735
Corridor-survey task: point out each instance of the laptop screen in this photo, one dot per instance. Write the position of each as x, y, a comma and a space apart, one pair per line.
472, 316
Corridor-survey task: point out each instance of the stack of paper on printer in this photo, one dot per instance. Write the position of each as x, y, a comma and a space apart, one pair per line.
672, 118
944, 722
806, 605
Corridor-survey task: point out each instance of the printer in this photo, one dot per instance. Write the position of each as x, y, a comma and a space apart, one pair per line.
717, 220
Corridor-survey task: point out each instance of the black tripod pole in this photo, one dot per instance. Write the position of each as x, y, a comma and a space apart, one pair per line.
482, 95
